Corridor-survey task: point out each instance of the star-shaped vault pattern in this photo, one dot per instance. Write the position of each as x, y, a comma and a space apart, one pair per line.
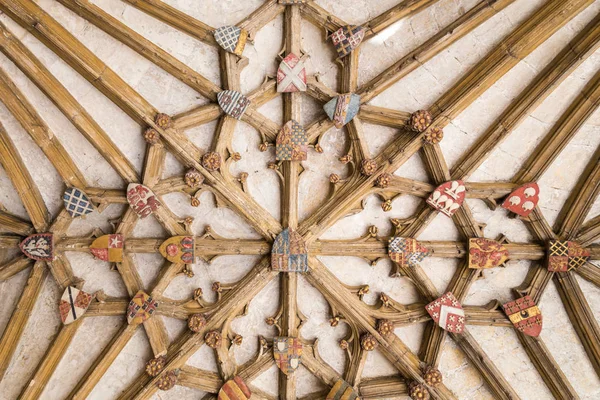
372, 327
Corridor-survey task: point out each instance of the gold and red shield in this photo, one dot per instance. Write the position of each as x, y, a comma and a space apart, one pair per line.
141, 308
565, 255
287, 352
178, 249
406, 252
234, 389
486, 253
342, 390
525, 316
108, 248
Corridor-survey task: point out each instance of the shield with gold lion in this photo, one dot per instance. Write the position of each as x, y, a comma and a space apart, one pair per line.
178, 249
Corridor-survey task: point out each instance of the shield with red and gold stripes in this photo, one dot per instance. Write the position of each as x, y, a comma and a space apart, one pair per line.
342, 391
525, 315
235, 389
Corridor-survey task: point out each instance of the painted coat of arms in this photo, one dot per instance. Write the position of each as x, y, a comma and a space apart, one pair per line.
231, 39
291, 75
39, 246
73, 304
525, 316
342, 109
486, 253
141, 308
287, 352
142, 200
523, 200
407, 252
448, 313
292, 143
233, 103
108, 248
234, 389
289, 253
448, 197
342, 391
347, 38
565, 255
288, 2
178, 249
77, 203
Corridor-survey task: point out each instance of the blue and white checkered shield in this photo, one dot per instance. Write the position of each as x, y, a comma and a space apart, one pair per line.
77, 202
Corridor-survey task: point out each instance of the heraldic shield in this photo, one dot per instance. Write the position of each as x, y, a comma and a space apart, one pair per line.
235, 389
233, 103
77, 203
342, 391
231, 39
142, 200
292, 143
486, 253
523, 200
291, 75
289, 253
108, 248
178, 249
448, 313
73, 304
342, 109
347, 38
39, 246
407, 252
141, 308
448, 197
525, 316
287, 352
565, 255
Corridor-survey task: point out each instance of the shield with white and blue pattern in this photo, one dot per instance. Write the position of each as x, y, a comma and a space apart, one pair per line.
77, 202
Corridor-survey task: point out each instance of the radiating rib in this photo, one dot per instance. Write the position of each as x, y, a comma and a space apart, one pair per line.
401, 10
13, 224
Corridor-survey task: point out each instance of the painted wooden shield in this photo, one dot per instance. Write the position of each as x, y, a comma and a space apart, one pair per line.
523, 200
291, 75
525, 316
289, 253
448, 197
77, 203
448, 313
407, 252
141, 308
235, 389
292, 143
347, 38
73, 304
287, 352
233, 103
565, 255
39, 246
232, 39
486, 253
178, 249
288, 2
108, 248
142, 200
342, 109
342, 391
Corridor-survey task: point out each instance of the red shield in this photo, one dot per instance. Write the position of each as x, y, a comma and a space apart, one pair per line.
448, 313
565, 255
142, 200
448, 198
523, 200
291, 75
486, 253
234, 389
39, 247
525, 316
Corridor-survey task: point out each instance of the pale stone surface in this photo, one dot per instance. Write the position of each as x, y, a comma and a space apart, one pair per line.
418, 90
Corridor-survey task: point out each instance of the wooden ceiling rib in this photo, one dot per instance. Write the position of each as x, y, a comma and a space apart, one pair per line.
231, 192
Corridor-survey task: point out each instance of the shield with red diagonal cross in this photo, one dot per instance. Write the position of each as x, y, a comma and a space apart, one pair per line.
73, 304
291, 75
235, 389
525, 315
448, 313
287, 352
108, 248
565, 255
